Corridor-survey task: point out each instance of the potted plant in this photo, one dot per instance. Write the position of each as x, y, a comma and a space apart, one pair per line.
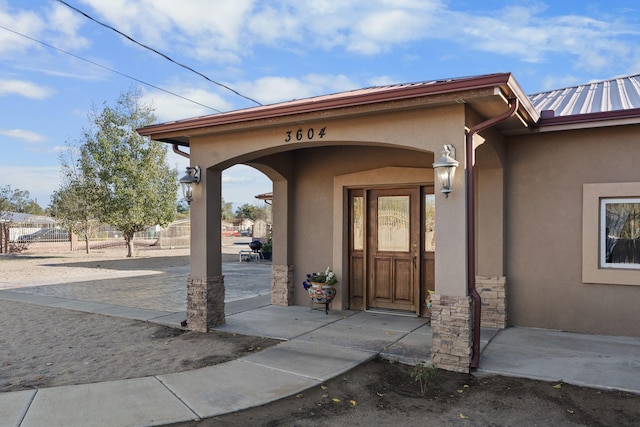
320, 287
267, 249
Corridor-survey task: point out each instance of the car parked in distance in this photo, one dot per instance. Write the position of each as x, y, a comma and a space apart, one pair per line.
46, 235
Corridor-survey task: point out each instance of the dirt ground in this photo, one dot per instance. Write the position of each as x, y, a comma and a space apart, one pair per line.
47, 347
380, 393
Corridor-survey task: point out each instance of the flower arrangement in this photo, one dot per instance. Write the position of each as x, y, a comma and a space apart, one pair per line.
327, 277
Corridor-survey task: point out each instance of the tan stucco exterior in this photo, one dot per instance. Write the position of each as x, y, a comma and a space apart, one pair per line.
353, 152
530, 212
545, 176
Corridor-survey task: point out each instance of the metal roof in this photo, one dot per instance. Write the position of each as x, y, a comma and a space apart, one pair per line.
179, 132
622, 93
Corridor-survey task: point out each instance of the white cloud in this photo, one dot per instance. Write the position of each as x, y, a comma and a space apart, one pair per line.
230, 179
382, 81
552, 82
169, 108
241, 183
380, 31
197, 28
59, 27
227, 31
24, 135
59, 148
24, 22
66, 24
39, 181
275, 88
24, 88
524, 33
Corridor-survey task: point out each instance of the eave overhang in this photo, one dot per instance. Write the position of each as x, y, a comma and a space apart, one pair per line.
488, 92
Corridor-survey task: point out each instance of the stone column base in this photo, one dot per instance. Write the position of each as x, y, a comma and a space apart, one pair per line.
282, 285
493, 292
452, 326
205, 303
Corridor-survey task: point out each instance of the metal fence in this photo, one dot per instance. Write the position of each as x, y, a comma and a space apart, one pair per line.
48, 235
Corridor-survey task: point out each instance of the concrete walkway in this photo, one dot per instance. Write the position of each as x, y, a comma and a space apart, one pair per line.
316, 348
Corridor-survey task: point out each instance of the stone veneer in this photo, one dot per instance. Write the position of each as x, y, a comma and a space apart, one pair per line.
205, 303
493, 292
282, 284
451, 325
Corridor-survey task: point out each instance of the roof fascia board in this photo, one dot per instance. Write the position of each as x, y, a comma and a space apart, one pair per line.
328, 103
590, 120
531, 113
176, 136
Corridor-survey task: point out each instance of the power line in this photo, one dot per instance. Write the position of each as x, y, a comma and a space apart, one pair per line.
107, 68
186, 67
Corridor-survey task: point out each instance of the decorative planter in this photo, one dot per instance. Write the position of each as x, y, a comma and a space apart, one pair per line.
322, 293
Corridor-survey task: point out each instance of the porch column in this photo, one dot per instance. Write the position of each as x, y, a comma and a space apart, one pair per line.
451, 316
281, 270
205, 284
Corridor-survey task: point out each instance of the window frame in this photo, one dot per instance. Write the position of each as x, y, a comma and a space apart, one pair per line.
603, 234
592, 271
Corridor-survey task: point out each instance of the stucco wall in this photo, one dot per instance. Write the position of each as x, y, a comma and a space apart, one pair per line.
545, 174
312, 200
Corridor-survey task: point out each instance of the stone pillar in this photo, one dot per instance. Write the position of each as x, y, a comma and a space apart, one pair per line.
451, 325
493, 291
205, 303
282, 285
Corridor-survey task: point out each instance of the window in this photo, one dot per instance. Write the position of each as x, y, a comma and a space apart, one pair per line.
393, 223
610, 223
620, 233
429, 223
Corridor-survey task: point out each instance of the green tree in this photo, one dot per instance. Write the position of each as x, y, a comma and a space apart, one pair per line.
75, 204
18, 201
227, 210
135, 188
246, 211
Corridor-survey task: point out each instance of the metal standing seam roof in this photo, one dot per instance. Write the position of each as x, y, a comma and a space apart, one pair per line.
351, 98
618, 94
603, 100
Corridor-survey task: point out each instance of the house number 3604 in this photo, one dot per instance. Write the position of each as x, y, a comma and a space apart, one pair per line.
307, 135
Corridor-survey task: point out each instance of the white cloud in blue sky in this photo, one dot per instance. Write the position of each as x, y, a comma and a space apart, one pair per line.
276, 50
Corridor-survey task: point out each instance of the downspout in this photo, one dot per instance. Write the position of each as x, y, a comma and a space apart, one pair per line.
470, 154
181, 153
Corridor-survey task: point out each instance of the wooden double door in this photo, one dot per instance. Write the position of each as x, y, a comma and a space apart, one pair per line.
391, 248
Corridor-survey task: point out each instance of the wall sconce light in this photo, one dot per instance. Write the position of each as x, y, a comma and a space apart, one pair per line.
187, 181
445, 169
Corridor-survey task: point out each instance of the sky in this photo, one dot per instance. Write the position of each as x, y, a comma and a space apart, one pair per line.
57, 64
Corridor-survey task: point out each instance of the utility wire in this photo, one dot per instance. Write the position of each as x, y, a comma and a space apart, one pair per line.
186, 67
107, 68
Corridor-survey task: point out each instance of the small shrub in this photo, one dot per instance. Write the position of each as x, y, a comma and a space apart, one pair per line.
425, 376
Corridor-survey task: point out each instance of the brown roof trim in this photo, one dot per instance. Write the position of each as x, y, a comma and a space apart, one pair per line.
339, 100
633, 113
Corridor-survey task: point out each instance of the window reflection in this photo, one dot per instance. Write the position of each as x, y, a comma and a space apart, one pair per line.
358, 223
429, 223
620, 233
393, 223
